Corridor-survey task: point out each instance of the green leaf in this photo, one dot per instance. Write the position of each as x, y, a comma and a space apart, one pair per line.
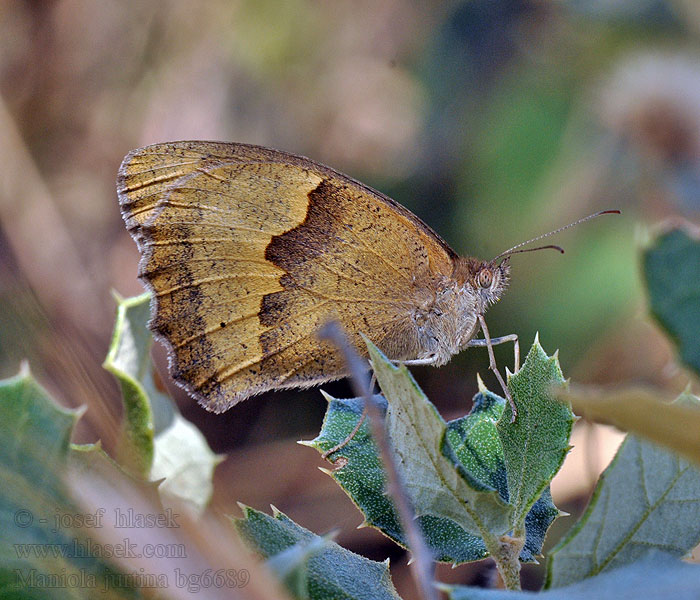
537, 523
433, 484
129, 361
360, 471
469, 447
475, 443
36, 512
672, 270
657, 578
535, 445
476, 446
647, 500
329, 571
162, 444
362, 478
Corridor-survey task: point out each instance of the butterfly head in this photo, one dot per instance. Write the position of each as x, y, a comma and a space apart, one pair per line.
486, 280
490, 281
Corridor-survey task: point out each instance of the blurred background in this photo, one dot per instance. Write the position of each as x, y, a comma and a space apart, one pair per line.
493, 120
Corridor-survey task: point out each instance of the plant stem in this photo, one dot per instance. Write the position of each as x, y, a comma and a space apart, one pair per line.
505, 550
422, 566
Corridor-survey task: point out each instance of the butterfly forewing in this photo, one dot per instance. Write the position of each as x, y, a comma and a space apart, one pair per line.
248, 251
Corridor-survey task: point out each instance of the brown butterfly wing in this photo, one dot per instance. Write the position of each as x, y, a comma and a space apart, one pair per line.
248, 251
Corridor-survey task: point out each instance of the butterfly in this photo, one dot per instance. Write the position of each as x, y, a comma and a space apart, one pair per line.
247, 251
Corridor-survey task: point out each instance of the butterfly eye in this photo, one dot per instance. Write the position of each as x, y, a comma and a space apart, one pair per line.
485, 278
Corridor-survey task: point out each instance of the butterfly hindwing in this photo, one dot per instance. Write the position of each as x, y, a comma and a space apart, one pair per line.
248, 251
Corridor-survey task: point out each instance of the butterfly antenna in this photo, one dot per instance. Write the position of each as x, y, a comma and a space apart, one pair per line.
515, 250
552, 246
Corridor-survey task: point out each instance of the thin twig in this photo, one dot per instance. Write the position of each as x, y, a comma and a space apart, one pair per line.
422, 564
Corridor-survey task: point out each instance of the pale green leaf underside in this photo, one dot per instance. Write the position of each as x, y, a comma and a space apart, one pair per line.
656, 578
186, 464
647, 500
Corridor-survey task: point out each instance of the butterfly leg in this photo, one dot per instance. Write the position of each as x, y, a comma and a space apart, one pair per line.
494, 368
513, 337
416, 361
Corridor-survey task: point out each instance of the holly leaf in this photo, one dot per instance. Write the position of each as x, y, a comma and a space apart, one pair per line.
37, 515
476, 444
536, 443
467, 453
311, 566
361, 475
435, 486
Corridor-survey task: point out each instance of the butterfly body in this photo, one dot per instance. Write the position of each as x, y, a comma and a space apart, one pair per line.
444, 313
248, 251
